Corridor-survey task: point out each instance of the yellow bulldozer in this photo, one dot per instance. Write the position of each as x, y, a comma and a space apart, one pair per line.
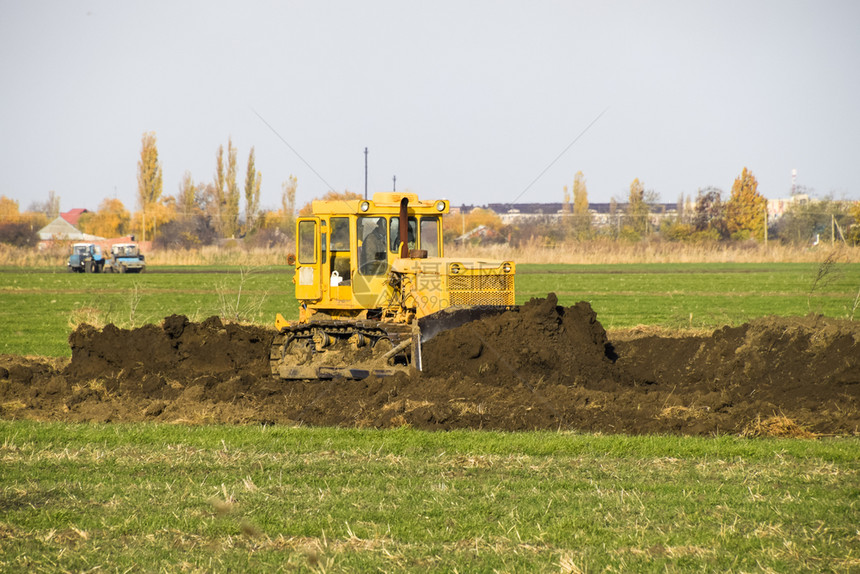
373, 285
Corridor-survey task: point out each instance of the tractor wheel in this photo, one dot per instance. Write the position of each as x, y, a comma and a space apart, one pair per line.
88, 267
122, 269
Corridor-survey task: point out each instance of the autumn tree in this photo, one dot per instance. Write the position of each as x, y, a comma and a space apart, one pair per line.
454, 226
194, 212
709, 213
581, 216
218, 191
16, 228
746, 208
854, 229
9, 210
187, 200
288, 203
253, 181
277, 227
231, 221
637, 209
149, 179
111, 220
191, 231
702, 223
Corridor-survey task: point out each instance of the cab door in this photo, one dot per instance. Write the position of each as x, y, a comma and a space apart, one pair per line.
308, 259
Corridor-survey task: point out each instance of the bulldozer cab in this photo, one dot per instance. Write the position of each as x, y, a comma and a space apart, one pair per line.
345, 250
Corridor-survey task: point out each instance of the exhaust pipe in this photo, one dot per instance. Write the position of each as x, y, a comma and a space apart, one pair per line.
404, 229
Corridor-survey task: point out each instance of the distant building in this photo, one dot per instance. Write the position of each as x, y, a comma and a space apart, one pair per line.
63, 229
776, 208
73, 215
601, 213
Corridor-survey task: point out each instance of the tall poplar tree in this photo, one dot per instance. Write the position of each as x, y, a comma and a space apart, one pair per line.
288, 203
580, 194
637, 208
746, 208
231, 214
219, 195
581, 217
186, 201
149, 180
253, 181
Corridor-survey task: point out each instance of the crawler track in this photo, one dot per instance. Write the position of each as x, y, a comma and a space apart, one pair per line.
351, 349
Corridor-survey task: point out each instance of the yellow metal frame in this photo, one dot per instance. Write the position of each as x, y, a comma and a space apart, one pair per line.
358, 292
418, 287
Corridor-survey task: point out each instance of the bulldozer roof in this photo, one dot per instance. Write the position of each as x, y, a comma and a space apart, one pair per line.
384, 203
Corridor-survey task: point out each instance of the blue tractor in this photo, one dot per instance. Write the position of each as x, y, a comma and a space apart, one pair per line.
86, 258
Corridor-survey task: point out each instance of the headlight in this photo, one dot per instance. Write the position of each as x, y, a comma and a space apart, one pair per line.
506, 267
364, 206
440, 206
455, 268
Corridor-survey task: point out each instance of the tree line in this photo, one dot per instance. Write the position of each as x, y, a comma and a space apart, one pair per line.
199, 213
203, 213
708, 216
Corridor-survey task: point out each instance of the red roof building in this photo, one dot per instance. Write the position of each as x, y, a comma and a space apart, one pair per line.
73, 215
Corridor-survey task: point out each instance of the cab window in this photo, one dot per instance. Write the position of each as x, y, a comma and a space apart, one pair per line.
430, 235
340, 234
373, 255
394, 245
339, 247
307, 235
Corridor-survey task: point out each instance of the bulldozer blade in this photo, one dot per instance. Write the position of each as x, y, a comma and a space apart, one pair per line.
453, 317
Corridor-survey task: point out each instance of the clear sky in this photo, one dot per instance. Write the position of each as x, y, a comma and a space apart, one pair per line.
466, 100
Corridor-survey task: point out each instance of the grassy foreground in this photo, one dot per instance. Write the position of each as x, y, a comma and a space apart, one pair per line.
125, 498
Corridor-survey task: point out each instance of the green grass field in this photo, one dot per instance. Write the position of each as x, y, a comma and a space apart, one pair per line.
170, 498
173, 498
41, 307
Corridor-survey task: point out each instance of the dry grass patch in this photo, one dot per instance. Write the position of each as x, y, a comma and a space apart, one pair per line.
641, 331
464, 407
681, 412
98, 318
779, 426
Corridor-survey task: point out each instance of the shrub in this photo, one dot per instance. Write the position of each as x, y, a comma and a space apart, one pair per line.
186, 233
19, 234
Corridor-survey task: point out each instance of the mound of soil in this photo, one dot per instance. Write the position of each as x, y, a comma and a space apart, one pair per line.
540, 366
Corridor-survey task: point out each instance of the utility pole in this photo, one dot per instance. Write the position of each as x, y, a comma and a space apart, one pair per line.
365, 173
394, 185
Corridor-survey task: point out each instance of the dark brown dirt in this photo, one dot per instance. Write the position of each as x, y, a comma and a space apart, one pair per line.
538, 367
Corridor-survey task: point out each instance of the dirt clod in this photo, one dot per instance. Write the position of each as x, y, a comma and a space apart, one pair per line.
541, 366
